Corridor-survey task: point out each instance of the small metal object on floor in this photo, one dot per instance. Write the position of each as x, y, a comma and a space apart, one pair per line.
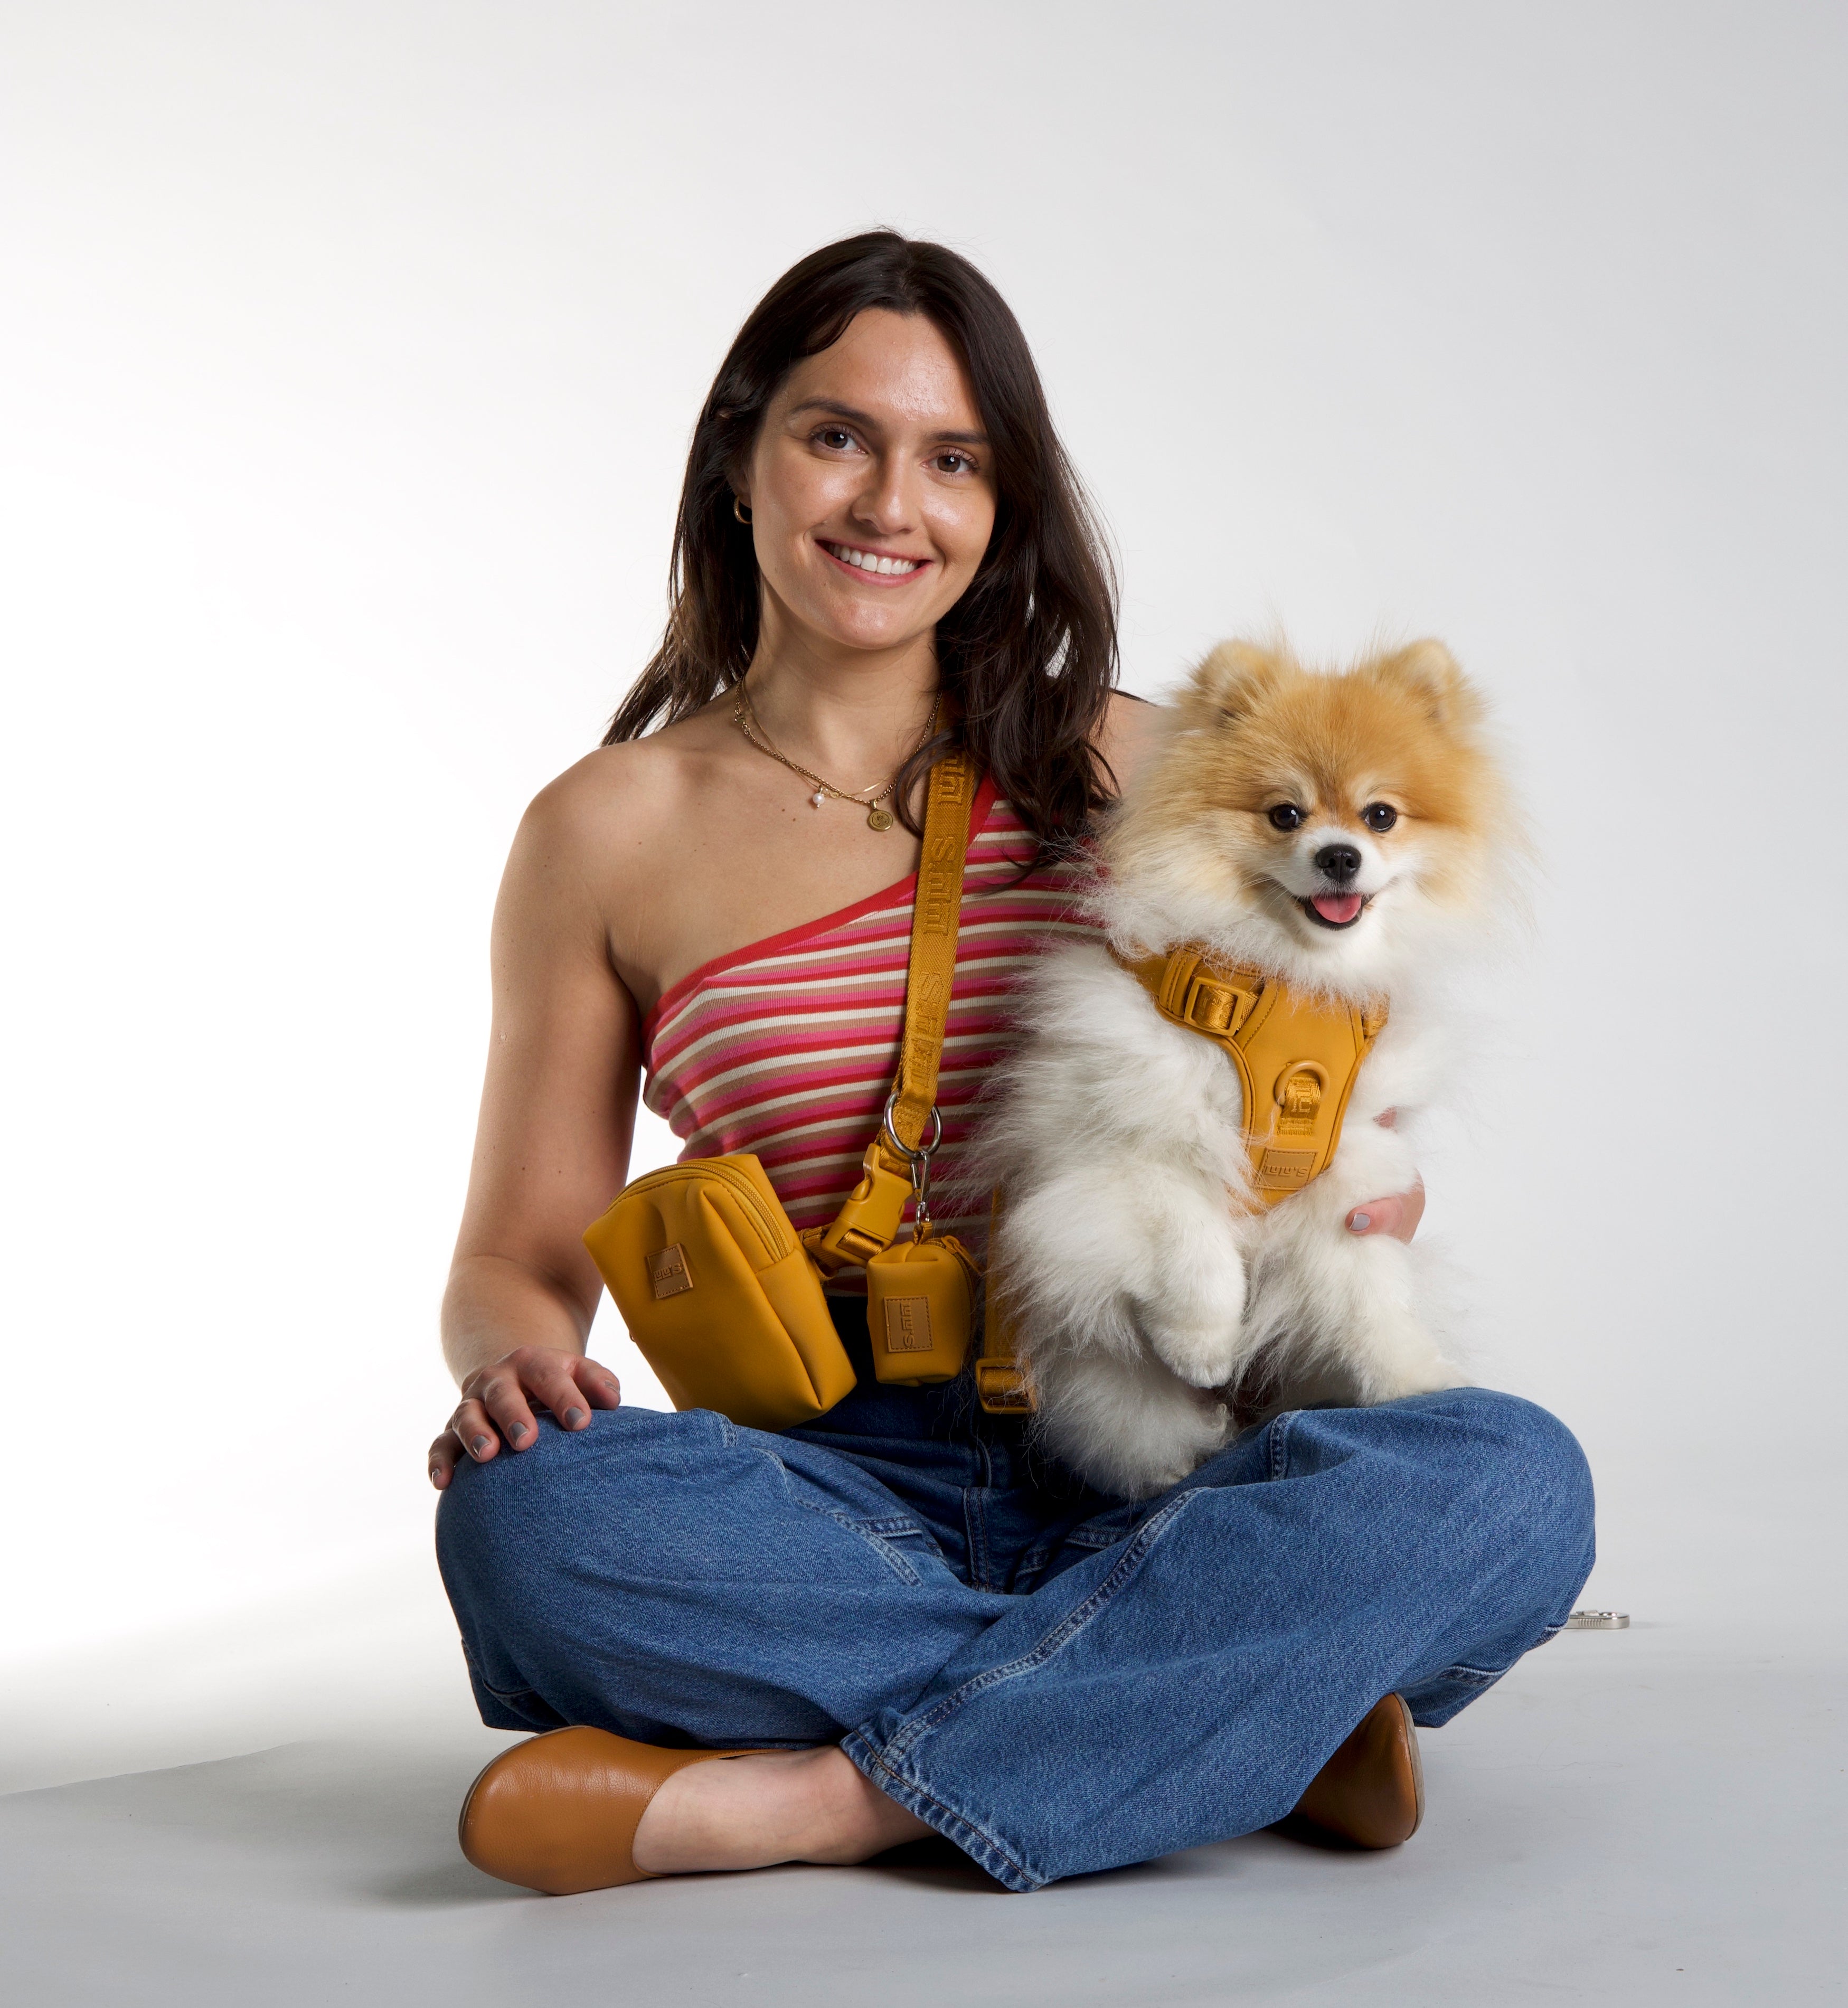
1599, 1621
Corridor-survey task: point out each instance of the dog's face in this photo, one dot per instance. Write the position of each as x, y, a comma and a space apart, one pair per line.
1322, 810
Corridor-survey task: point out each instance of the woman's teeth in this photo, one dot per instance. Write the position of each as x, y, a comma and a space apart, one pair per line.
870, 561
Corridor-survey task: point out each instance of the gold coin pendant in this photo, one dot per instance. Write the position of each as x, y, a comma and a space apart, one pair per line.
878, 818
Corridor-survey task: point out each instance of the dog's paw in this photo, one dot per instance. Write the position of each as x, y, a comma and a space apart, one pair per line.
1434, 1377
1190, 1313
1155, 1482
1205, 1436
1409, 1364
1203, 1353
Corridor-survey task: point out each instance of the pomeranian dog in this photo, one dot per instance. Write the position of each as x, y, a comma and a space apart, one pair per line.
1347, 836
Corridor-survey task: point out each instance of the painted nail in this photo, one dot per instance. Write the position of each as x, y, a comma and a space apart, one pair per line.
518, 1431
435, 1473
479, 1445
1360, 1222
573, 1417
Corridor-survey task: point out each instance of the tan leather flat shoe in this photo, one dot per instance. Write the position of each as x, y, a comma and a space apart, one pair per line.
1372, 1790
558, 1813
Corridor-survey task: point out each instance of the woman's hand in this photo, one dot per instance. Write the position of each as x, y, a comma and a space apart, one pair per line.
1398, 1216
498, 1401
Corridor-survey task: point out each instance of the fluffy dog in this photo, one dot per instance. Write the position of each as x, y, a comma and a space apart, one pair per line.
1346, 833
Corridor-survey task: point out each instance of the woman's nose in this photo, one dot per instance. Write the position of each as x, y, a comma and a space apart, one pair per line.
885, 504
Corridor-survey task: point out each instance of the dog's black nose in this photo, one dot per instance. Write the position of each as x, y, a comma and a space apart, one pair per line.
1339, 861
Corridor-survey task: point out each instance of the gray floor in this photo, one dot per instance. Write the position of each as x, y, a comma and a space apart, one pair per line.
1649, 1816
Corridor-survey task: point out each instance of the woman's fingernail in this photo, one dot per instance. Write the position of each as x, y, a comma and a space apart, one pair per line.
1360, 1222
518, 1431
436, 1474
573, 1417
478, 1446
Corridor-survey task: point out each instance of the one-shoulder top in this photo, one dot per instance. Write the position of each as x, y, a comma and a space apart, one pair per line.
787, 1049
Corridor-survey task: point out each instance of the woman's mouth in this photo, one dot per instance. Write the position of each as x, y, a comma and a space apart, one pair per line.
1333, 909
883, 566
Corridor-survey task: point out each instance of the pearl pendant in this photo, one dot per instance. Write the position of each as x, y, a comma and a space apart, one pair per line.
816, 800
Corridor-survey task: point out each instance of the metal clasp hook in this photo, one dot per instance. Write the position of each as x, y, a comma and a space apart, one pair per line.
919, 1161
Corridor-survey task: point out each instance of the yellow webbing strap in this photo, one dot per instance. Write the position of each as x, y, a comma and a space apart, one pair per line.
935, 912
1297, 1058
1001, 1384
874, 1209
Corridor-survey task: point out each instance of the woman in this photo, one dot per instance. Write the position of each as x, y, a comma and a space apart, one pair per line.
911, 1623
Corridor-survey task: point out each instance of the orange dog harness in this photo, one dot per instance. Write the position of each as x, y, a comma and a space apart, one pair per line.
1297, 1058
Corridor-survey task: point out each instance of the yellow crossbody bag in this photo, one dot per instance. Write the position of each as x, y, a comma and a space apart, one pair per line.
721, 1294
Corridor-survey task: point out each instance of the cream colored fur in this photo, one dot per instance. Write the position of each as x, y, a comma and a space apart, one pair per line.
1146, 1290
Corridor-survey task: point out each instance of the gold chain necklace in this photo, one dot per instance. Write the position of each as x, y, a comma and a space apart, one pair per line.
745, 719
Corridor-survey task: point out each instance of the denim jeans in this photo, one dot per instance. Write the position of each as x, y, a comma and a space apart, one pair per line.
1056, 1680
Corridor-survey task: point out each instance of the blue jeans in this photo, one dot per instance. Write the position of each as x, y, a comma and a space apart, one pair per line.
1056, 1680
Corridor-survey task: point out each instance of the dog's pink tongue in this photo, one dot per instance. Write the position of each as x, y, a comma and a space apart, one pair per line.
1339, 908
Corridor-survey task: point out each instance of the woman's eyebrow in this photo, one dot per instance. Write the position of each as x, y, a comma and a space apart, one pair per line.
866, 418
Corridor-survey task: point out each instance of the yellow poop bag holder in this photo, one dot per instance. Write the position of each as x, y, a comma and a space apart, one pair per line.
721, 1294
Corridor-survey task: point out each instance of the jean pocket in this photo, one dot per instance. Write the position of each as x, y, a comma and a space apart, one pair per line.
895, 1540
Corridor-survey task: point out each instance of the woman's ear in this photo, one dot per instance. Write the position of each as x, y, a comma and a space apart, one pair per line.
1236, 677
1427, 671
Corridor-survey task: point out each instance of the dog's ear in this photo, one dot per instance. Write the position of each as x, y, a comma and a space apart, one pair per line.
1427, 672
1235, 678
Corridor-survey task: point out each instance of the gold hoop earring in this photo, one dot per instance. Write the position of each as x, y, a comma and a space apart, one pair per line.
742, 511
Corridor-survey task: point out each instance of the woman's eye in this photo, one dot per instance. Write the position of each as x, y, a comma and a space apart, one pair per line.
1286, 815
954, 463
1380, 816
836, 437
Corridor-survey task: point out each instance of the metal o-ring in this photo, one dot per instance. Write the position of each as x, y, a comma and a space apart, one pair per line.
925, 1152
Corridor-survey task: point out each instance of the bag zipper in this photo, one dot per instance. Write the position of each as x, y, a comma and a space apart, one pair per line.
778, 1236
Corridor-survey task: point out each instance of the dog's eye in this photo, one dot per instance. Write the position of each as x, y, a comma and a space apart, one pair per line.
1380, 816
1286, 815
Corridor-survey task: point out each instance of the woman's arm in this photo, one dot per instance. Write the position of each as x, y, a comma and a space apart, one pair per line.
551, 1148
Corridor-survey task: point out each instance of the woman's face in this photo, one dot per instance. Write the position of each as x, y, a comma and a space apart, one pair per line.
869, 488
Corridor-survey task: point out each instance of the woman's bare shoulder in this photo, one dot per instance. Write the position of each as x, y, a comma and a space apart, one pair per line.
1131, 727
622, 801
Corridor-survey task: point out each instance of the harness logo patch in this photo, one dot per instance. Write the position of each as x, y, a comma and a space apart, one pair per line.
1286, 1167
907, 1324
1301, 1095
667, 1271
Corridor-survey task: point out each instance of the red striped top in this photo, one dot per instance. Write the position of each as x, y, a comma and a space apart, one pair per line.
788, 1048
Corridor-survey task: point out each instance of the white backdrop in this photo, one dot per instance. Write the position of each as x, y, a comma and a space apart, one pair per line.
347, 363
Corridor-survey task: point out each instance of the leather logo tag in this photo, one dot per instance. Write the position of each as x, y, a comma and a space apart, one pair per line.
907, 1324
1286, 1167
667, 1271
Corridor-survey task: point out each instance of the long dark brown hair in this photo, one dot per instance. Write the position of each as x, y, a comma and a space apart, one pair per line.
1028, 654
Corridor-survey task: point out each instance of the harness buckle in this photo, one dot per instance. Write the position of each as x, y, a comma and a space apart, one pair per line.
1209, 1006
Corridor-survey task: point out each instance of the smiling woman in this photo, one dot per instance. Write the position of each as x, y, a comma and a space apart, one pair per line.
914, 1621
879, 422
